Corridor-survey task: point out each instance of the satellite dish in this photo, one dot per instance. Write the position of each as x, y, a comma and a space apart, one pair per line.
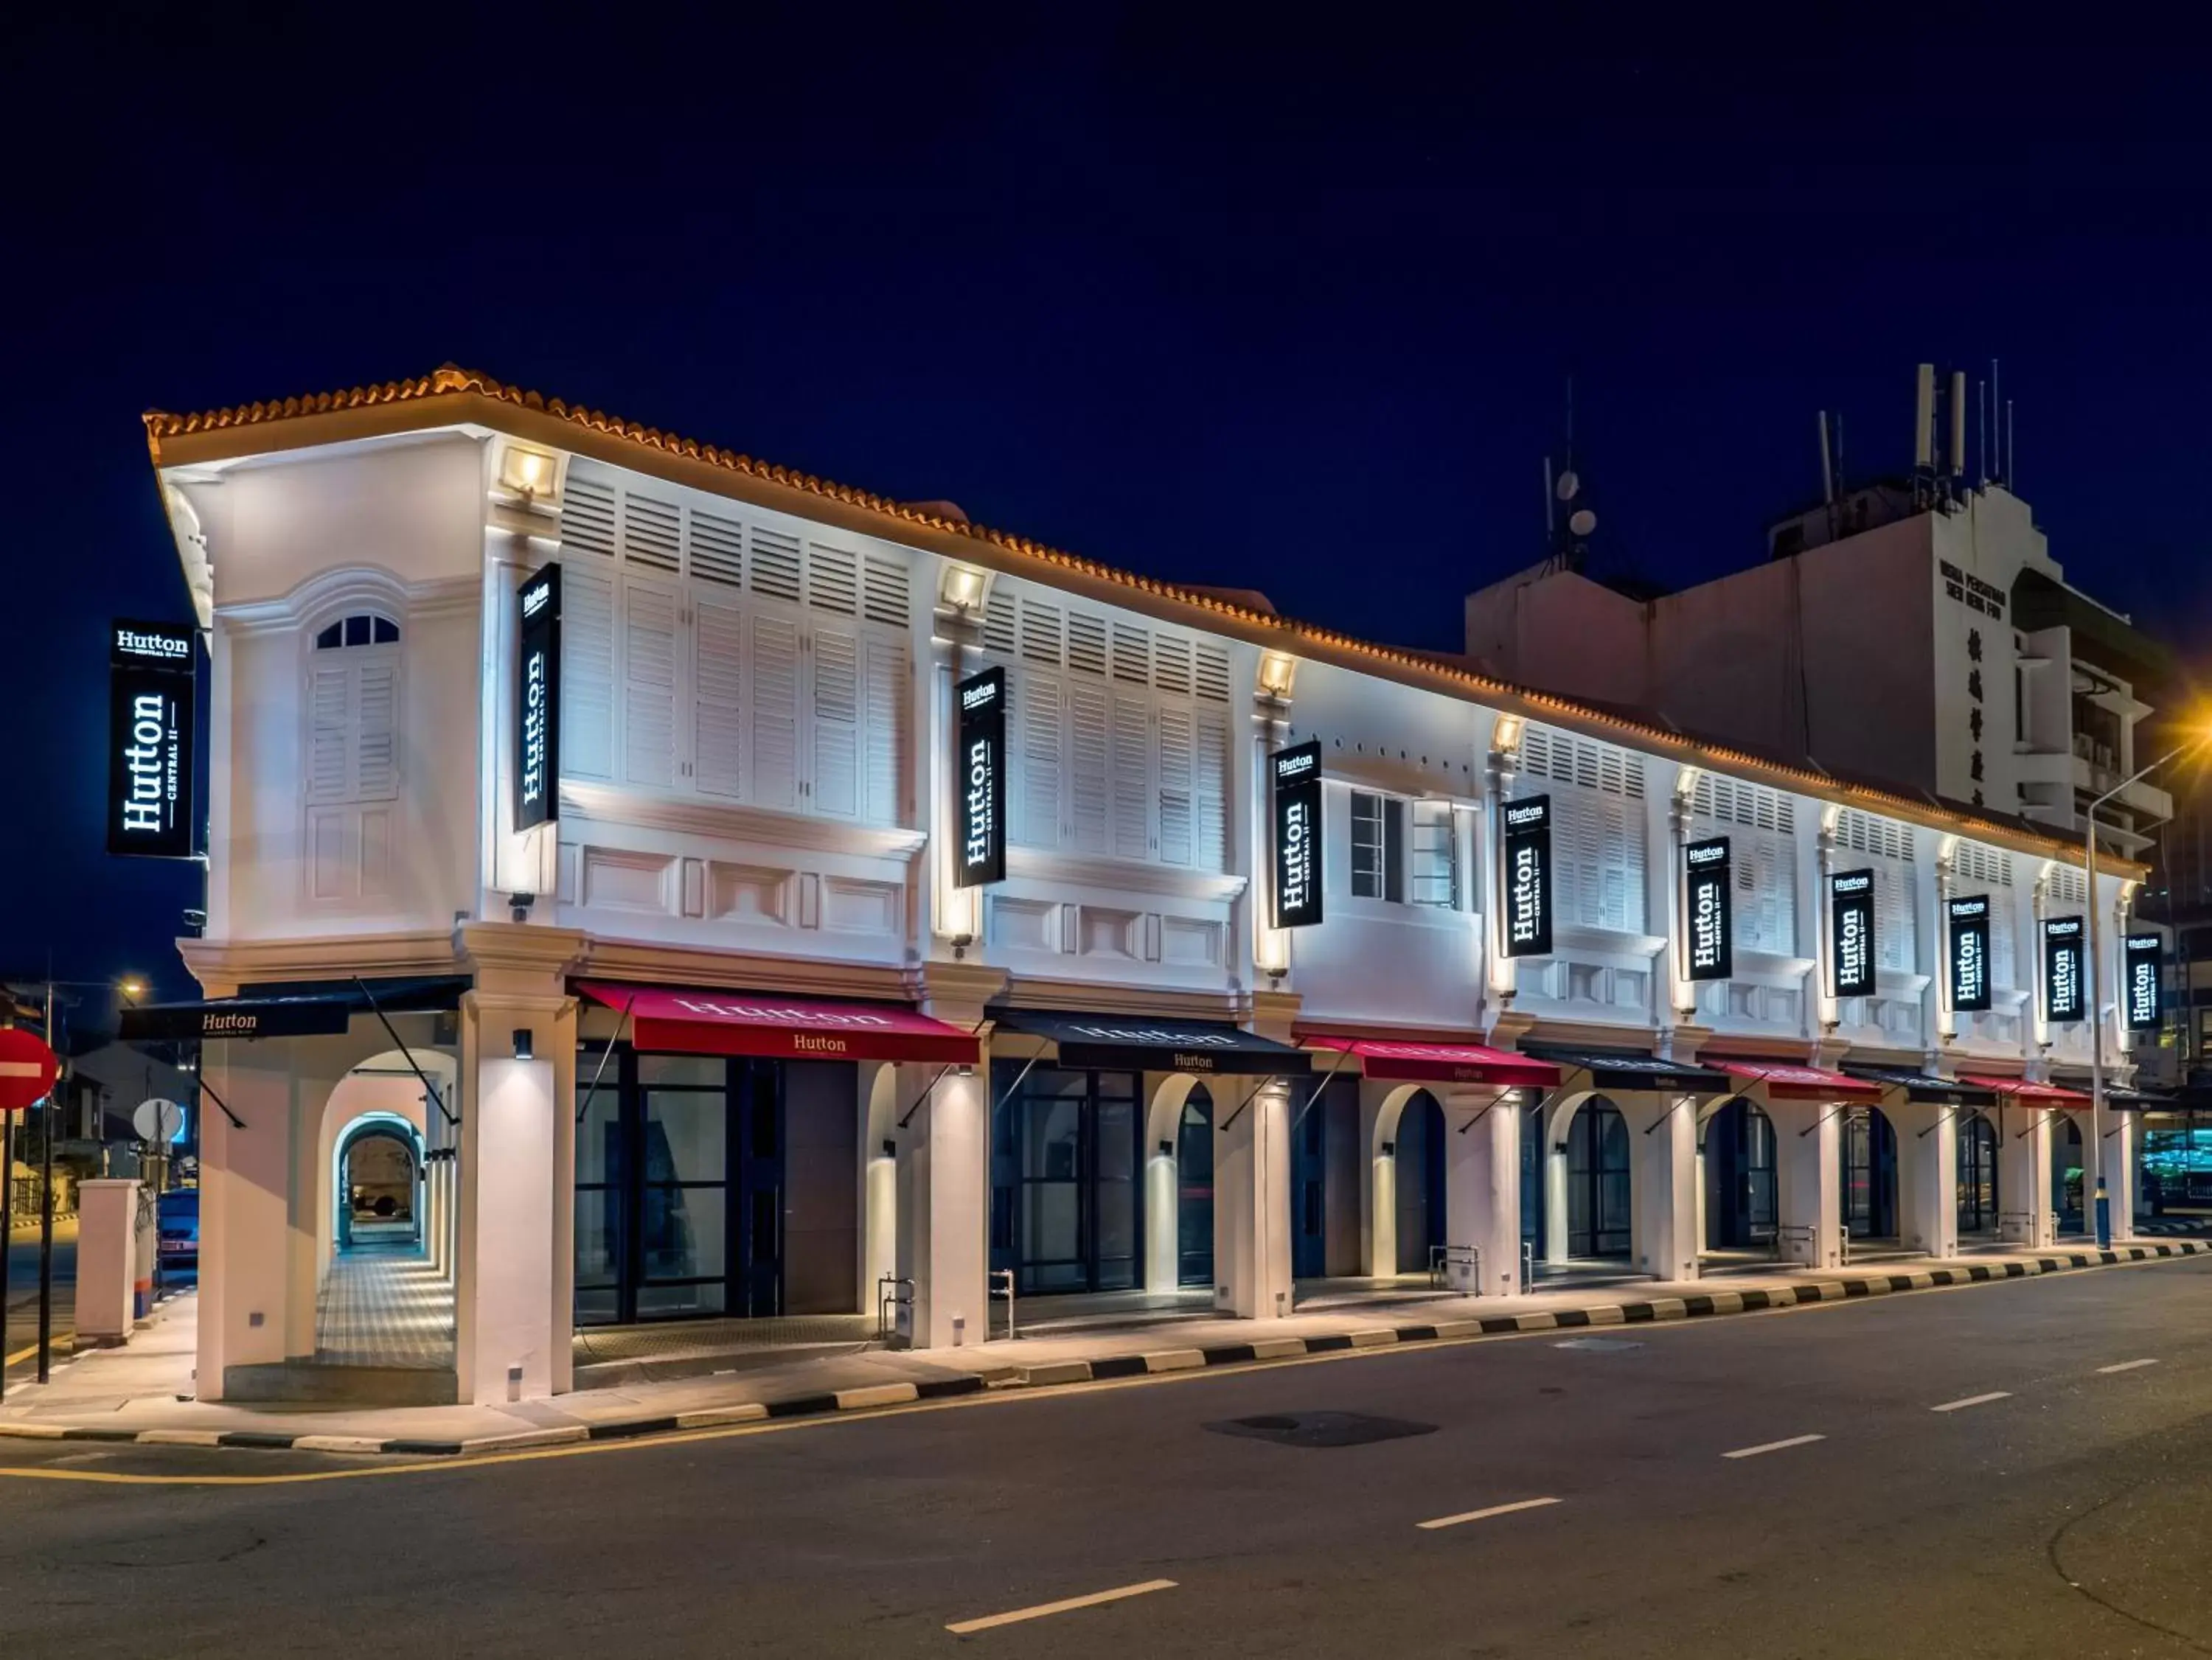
159, 1121
1582, 522
1568, 485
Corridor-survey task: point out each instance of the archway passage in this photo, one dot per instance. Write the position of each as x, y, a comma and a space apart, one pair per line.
1598, 1217
1420, 1182
2069, 1165
1866, 1165
1977, 1177
378, 1179
1194, 1189
1742, 1208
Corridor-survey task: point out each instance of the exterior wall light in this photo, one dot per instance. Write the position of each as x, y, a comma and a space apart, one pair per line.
963, 587
523, 1051
1277, 674
527, 473
1390, 1149
1506, 737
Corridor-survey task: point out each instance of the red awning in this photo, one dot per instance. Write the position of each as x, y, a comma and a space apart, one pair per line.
1439, 1063
693, 1022
2020, 1090
1786, 1083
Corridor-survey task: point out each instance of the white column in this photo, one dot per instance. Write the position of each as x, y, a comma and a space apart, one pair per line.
945, 1204
1662, 1143
2024, 1177
509, 1341
1482, 1184
1808, 1179
1927, 1177
1252, 1205
2121, 1129
1552, 1159
1378, 1184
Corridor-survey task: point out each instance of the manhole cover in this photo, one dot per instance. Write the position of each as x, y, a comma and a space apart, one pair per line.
1599, 1345
1321, 1429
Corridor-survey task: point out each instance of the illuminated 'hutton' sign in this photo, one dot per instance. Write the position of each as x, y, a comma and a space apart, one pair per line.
538, 703
1706, 902
1298, 836
1970, 954
1851, 911
2063, 972
981, 779
150, 682
1528, 854
2144, 962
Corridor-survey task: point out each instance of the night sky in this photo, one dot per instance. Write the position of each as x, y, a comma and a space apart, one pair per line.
1286, 311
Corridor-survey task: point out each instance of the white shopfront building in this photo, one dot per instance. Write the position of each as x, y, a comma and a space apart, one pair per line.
723, 1039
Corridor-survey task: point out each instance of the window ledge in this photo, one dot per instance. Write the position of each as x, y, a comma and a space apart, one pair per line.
730, 821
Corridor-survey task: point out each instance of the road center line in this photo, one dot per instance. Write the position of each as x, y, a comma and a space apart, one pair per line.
1484, 1515
1773, 1446
1974, 1400
1063, 1607
2129, 1366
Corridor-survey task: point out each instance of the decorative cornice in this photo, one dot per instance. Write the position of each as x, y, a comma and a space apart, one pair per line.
651, 962
601, 803
1058, 872
222, 965
1037, 991
454, 396
370, 585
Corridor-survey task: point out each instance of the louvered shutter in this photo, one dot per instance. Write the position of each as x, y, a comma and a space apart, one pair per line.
1177, 757
376, 731
648, 685
1091, 783
2004, 963
1630, 818
1210, 789
588, 672
773, 703
1896, 927
1611, 843
718, 675
330, 734
1038, 801
835, 726
1133, 776
884, 729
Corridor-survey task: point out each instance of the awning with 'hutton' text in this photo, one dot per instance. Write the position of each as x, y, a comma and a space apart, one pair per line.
698, 1022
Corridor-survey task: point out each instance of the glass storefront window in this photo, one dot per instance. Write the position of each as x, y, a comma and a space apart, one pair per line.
685, 1134
1067, 1201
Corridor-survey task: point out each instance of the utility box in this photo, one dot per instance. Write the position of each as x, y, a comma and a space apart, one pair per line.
115, 1251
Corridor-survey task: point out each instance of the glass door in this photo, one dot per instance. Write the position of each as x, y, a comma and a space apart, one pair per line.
1597, 1182
1194, 1191
1978, 1176
1067, 1198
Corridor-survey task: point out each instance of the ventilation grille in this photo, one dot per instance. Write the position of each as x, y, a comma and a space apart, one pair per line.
1975, 863
1885, 838
1753, 805
2069, 885
1565, 759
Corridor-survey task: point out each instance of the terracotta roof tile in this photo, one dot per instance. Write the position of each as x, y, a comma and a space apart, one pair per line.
450, 379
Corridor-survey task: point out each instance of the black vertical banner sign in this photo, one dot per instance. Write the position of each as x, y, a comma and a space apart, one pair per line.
2065, 973
538, 703
152, 668
980, 781
1528, 853
1705, 910
1851, 934
1297, 774
2144, 960
1970, 954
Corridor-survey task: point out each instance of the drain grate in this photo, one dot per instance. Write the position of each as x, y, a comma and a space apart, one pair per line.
1321, 1429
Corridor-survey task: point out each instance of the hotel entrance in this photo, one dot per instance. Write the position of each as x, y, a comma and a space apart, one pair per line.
1066, 1199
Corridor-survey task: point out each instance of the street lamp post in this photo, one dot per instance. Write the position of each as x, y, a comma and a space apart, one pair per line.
2104, 1211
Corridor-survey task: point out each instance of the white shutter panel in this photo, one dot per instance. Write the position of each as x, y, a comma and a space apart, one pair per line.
1133, 780
1176, 752
773, 729
1613, 858
717, 670
883, 728
1091, 787
1038, 801
835, 772
648, 685
1632, 870
587, 674
1210, 789
376, 732
1896, 926
2004, 963
330, 734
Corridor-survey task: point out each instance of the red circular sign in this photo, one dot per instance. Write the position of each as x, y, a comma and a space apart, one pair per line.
27, 1069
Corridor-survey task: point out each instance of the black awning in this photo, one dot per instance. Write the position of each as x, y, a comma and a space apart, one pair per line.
1924, 1088
2122, 1096
1135, 1042
297, 1010
1631, 1069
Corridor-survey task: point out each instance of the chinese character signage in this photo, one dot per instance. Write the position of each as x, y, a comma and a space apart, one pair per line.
2143, 958
151, 670
980, 781
2064, 972
1970, 954
538, 703
1527, 852
1706, 901
1297, 774
1851, 938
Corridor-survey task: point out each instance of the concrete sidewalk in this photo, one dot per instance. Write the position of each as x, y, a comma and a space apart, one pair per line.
143, 1393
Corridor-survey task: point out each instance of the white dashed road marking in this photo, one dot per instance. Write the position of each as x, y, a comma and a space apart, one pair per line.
1484, 1515
1066, 1606
2129, 1366
1773, 1446
1974, 1400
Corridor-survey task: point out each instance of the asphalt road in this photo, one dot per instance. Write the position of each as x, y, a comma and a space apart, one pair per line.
2067, 1516
22, 1296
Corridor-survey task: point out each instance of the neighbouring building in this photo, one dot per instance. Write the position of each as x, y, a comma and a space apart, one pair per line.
629, 906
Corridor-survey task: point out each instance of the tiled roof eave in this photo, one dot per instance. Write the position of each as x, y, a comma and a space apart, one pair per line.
453, 396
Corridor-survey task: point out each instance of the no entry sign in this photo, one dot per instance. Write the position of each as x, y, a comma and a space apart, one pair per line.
27, 1069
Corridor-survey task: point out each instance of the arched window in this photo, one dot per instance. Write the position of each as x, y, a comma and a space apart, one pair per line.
350, 753
360, 629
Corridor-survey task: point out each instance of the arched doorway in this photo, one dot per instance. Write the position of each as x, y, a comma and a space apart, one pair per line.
1868, 1165
1597, 1181
1194, 1189
1741, 1206
1978, 1176
1419, 1160
2067, 1163
379, 1177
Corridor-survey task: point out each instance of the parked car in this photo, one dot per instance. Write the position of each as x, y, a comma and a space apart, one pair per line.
178, 1219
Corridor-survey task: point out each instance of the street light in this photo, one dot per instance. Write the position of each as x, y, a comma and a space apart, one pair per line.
2097, 988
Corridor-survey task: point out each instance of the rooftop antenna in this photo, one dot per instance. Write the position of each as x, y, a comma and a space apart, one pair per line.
1827, 466
1982, 431
2004, 470
2008, 447
1923, 434
1958, 413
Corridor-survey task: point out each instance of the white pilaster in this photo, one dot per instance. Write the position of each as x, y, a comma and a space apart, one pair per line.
1808, 1179
1482, 1184
2024, 1177
1252, 1206
1927, 1177
1662, 1143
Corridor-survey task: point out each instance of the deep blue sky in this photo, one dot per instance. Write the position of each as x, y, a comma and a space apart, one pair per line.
1283, 311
